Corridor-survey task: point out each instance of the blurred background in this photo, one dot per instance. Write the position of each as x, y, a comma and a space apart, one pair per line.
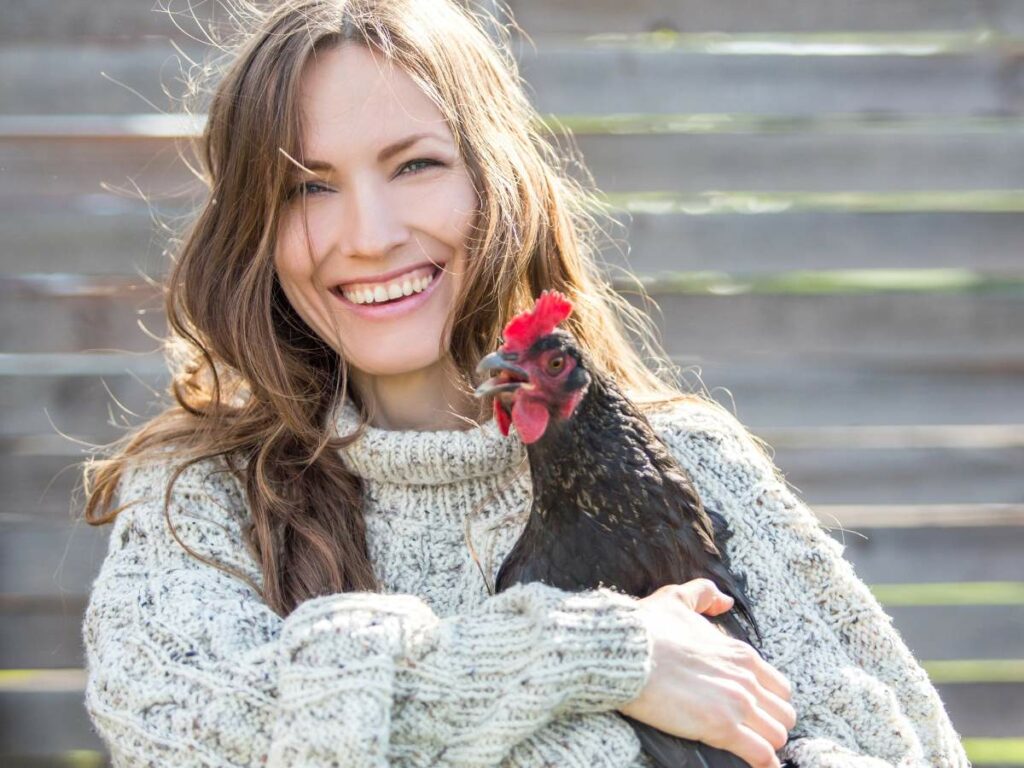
825, 199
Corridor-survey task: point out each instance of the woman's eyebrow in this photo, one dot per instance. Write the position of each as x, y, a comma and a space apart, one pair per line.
387, 152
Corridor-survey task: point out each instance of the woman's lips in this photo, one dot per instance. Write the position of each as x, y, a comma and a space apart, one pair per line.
394, 308
411, 273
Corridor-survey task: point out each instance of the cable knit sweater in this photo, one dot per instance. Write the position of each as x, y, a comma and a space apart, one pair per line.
187, 666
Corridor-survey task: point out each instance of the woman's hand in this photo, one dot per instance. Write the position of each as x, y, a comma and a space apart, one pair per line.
707, 686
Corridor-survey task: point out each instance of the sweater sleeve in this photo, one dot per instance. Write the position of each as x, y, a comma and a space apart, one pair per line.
188, 666
590, 740
861, 698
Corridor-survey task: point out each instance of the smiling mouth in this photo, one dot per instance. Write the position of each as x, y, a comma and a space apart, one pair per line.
435, 274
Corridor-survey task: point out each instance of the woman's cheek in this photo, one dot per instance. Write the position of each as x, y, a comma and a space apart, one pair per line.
289, 246
445, 210
463, 210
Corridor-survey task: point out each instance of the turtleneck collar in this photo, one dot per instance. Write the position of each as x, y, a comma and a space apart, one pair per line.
429, 457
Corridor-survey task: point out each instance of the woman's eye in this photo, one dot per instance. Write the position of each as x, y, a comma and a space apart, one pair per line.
420, 160
307, 188
313, 187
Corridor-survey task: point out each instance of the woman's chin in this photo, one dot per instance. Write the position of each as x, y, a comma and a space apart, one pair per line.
409, 362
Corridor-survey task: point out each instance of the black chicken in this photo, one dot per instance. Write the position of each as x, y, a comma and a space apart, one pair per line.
611, 506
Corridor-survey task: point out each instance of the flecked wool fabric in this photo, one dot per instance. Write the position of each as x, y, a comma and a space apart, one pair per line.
187, 666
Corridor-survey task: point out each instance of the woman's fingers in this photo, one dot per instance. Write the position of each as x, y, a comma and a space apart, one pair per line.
761, 710
770, 688
720, 605
712, 687
767, 727
773, 680
779, 709
703, 596
750, 746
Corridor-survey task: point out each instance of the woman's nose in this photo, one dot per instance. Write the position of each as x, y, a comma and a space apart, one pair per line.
372, 224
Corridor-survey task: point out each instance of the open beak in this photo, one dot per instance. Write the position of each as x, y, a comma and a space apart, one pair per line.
509, 376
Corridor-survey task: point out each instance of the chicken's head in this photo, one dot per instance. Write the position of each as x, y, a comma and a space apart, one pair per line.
538, 373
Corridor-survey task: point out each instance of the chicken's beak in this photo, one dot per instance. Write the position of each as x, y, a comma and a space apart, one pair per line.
509, 378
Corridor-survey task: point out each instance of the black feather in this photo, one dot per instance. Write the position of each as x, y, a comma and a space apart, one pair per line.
612, 507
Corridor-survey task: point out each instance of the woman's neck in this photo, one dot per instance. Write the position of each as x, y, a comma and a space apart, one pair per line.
425, 399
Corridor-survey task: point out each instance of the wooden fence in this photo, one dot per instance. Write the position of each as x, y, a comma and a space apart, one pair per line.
825, 199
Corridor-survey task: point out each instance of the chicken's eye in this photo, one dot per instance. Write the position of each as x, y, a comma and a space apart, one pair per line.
555, 364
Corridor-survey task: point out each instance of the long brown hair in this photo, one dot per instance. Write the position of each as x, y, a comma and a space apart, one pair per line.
252, 383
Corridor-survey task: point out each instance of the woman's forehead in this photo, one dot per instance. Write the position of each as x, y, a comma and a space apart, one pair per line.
353, 98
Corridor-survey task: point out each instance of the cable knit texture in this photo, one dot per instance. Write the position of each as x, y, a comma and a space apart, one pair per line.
187, 666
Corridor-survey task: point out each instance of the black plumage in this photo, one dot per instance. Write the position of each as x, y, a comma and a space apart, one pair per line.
611, 505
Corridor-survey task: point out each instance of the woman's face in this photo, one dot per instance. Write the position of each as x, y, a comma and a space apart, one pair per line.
386, 214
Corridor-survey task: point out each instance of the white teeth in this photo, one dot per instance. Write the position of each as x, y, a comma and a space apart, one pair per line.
388, 292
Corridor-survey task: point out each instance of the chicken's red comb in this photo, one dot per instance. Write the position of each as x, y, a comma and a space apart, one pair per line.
551, 308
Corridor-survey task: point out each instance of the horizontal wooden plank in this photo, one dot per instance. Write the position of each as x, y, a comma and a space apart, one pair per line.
48, 488
757, 203
950, 594
144, 126
921, 555
815, 240
918, 515
983, 710
818, 43
31, 680
42, 559
95, 407
111, 23
991, 752
84, 315
36, 639
986, 710
64, 313
566, 77
76, 394
796, 161
72, 758
601, 81
105, 234
118, 238
905, 476
987, 752
961, 671
64, 559
120, 20
903, 437
81, 366
54, 170
596, 16
23, 732
770, 395
182, 126
61, 170
42, 640
896, 327
855, 488
135, 76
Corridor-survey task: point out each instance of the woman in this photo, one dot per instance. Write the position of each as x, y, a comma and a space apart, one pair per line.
291, 576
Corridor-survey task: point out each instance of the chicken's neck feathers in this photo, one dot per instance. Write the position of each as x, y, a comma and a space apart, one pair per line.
591, 449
